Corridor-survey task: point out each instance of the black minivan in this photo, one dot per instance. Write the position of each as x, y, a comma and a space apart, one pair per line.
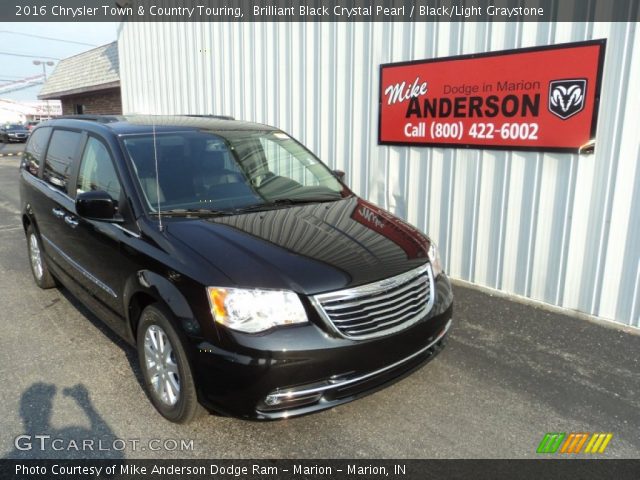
250, 278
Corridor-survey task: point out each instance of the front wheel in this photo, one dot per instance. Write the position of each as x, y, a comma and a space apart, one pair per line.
165, 366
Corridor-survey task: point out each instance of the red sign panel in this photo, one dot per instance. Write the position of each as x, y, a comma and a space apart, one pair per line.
541, 98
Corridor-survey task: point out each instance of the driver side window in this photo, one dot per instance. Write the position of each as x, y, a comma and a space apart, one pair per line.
97, 172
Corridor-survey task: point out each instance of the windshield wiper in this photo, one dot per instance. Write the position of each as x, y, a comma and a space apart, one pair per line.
206, 212
283, 202
192, 212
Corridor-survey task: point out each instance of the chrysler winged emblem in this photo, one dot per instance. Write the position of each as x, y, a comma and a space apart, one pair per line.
566, 97
388, 283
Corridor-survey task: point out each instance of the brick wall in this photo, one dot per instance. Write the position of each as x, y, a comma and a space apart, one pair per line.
105, 102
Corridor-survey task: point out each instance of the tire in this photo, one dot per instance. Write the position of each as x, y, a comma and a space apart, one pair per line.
39, 268
163, 374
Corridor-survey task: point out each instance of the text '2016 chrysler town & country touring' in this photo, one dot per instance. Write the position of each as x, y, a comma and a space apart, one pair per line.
252, 281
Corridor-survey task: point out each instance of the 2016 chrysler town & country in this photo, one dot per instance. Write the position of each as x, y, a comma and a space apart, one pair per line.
250, 278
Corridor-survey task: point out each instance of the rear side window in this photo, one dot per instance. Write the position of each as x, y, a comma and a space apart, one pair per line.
97, 171
60, 154
35, 148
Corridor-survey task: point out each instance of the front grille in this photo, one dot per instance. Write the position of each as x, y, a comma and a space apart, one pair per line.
379, 308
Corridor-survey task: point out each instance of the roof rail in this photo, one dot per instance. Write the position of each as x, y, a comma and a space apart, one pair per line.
94, 118
220, 117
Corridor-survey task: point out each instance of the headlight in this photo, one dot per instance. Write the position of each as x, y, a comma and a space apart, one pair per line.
434, 258
254, 311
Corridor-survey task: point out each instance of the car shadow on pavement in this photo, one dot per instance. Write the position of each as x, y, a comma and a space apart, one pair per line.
41, 440
129, 351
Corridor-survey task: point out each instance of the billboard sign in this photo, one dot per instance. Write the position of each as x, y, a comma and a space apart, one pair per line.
540, 98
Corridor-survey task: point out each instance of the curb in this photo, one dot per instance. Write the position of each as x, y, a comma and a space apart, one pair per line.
11, 154
605, 322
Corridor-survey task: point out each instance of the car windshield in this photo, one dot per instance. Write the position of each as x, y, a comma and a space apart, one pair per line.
13, 127
199, 171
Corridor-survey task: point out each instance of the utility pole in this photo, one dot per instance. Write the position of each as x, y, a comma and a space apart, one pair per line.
44, 74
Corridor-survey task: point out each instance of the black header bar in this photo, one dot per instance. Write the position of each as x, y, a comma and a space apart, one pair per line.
320, 11
321, 469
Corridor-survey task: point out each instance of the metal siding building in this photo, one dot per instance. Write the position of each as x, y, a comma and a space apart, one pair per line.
560, 228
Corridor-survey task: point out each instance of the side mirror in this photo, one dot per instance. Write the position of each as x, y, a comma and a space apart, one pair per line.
339, 174
96, 205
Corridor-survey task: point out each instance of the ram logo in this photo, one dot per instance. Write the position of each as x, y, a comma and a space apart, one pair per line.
566, 97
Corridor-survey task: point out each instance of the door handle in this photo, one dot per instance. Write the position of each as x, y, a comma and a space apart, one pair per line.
58, 212
72, 222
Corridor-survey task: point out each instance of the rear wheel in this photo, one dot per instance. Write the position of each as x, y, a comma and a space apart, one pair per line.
39, 268
165, 366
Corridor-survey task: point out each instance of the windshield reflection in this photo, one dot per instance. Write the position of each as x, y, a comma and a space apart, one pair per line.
228, 171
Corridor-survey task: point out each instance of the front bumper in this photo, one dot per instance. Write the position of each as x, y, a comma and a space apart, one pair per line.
302, 369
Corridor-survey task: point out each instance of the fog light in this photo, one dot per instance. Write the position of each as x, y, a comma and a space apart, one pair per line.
291, 399
272, 400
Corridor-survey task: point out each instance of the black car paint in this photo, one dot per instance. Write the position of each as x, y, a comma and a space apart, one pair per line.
120, 266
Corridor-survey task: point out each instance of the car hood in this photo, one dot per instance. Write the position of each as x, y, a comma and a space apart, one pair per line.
310, 248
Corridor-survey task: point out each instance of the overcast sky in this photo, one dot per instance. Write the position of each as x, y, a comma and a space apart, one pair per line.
14, 67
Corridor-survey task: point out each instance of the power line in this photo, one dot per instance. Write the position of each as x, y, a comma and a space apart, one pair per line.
48, 38
19, 87
27, 56
22, 81
23, 87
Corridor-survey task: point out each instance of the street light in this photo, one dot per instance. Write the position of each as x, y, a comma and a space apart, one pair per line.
44, 66
44, 74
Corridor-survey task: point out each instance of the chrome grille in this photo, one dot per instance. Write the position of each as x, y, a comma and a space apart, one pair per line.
379, 308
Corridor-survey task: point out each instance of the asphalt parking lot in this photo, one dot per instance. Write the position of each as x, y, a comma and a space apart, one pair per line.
510, 373
11, 149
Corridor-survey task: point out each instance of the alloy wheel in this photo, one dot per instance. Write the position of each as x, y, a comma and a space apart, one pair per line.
35, 256
161, 365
